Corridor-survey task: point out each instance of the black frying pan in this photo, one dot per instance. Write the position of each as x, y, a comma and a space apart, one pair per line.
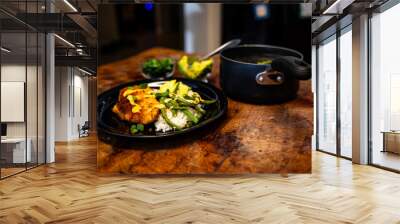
116, 132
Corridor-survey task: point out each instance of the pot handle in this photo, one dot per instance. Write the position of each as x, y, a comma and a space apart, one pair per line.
292, 66
270, 77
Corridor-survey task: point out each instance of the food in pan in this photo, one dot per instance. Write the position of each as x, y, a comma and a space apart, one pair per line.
158, 68
171, 106
255, 59
193, 68
264, 62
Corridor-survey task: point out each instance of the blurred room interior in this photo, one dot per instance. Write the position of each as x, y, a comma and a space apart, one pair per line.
49, 61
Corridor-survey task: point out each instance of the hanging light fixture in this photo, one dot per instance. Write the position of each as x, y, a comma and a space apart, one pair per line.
5, 50
84, 71
64, 40
70, 6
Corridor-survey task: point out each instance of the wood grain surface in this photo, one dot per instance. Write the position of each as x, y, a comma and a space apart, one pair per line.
72, 191
251, 139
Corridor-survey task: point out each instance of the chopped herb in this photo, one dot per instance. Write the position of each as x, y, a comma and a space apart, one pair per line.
158, 67
140, 127
208, 101
143, 85
167, 120
200, 109
135, 128
191, 116
163, 94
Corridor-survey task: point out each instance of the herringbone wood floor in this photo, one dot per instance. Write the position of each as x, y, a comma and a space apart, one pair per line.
71, 191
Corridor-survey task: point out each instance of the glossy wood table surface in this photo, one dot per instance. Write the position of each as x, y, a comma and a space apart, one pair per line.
251, 139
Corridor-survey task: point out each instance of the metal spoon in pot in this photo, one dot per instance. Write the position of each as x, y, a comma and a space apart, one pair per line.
231, 43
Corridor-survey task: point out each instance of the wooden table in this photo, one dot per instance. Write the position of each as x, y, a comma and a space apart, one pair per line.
252, 139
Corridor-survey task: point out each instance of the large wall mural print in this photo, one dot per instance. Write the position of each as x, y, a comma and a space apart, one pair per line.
200, 88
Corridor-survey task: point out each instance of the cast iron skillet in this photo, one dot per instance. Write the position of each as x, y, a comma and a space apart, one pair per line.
114, 131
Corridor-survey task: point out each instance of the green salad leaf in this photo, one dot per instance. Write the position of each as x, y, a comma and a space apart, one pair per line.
158, 67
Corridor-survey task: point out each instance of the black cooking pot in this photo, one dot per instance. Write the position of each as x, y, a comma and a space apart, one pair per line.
275, 80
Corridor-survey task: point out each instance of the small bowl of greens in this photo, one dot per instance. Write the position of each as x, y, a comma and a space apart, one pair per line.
158, 68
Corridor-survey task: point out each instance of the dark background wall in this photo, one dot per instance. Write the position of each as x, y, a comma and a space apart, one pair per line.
284, 26
125, 30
